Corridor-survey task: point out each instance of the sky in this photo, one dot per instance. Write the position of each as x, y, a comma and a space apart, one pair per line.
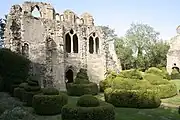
162, 15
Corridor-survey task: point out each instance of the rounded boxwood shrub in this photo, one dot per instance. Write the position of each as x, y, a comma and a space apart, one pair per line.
166, 90
131, 74
50, 91
82, 85
19, 91
88, 101
49, 104
31, 90
81, 89
132, 98
92, 111
175, 74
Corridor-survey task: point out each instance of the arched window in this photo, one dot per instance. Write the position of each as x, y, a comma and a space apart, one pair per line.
91, 45
25, 50
68, 43
75, 43
57, 17
36, 11
69, 76
97, 44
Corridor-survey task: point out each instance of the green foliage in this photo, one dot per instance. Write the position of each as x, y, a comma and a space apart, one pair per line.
155, 79
88, 101
82, 77
49, 104
132, 74
31, 90
1, 84
81, 89
175, 74
142, 85
104, 111
132, 98
166, 90
19, 91
50, 91
14, 68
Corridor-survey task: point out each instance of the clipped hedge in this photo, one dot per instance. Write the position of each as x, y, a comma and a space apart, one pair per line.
31, 90
131, 74
104, 111
1, 84
155, 79
49, 104
82, 85
19, 91
175, 74
166, 90
88, 101
81, 89
132, 98
14, 69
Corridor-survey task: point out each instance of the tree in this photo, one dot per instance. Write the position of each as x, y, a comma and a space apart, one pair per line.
140, 37
109, 33
2, 29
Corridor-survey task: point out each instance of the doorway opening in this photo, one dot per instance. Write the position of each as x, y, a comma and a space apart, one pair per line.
69, 76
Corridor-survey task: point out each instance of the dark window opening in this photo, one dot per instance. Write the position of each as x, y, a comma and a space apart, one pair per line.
69, 76
71, 31
75, 43
97, 44
91, 45
68, 43
175, 67
94, 34
36, 11
25, 50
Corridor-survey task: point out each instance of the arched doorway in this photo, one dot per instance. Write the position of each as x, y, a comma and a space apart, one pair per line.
69, 76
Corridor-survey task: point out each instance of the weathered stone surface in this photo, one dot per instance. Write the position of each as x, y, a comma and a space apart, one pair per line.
57, 42
173, 56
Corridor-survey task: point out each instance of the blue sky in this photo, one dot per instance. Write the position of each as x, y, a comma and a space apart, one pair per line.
163, 15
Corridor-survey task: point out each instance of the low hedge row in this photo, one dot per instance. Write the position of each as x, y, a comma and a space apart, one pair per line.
132, 98
19, 91
103, 111
50, 102
81, 89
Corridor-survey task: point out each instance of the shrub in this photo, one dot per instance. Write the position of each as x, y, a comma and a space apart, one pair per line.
104, 111
131, 74
31, 90
50, 104
166, 90
132, 98
155, 79
104, 84
1, 84
175, 74
81, 89
161, 72
14, 68
19, 91
88, 101
82, 85
142, 85
50, 91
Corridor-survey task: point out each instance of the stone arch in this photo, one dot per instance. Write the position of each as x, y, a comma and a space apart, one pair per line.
35, 11
91, 45
97, 44
68, 43
175, 67
25, 49
75, 43
57, 17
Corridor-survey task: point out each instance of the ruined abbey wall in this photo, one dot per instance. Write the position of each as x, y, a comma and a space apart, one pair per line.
59, 43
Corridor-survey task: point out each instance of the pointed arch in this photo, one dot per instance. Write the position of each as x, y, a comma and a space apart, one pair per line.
97, 44
68, 43
75, 43
91, 45
36, 11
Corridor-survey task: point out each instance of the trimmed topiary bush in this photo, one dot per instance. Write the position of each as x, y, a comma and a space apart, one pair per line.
132, 98
166, 90
131, 74
19, 91
82, 85
88, 111
14, 69
88, 101
175, 74
31, 90
49, 103
81, 89
1, 84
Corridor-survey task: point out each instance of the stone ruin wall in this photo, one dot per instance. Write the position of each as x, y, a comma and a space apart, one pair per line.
44, 41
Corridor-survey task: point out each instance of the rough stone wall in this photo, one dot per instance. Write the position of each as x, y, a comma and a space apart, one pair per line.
56, 43
173, 53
